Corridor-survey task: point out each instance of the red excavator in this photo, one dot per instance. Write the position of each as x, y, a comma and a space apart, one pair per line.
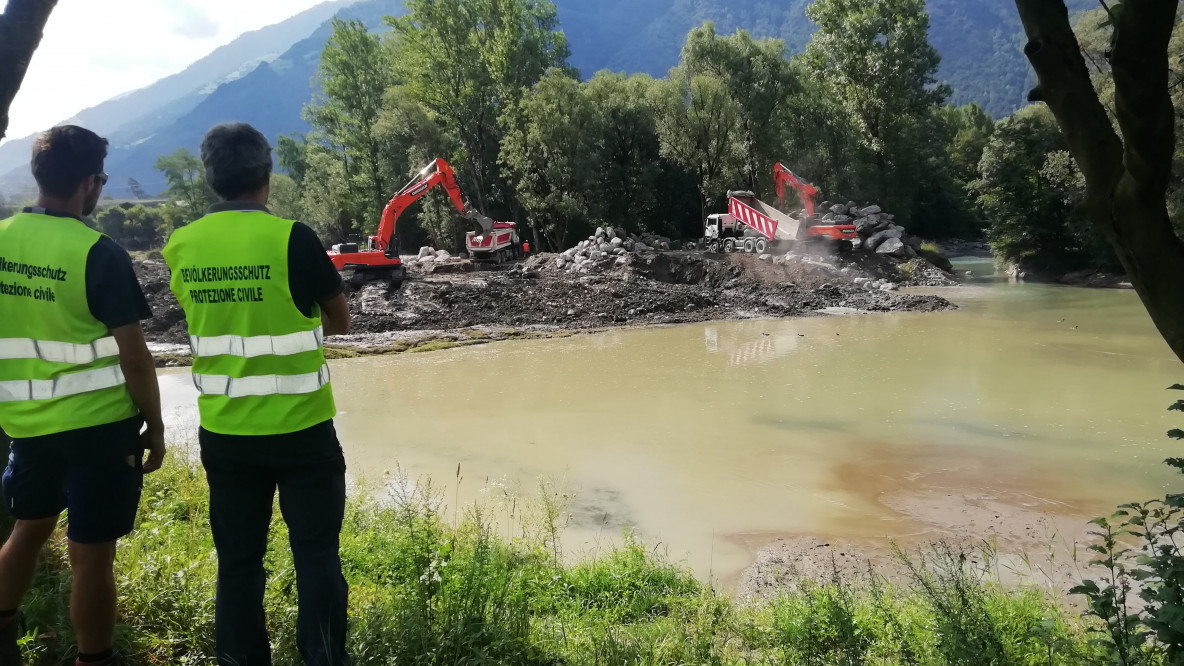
806, 192
381, 259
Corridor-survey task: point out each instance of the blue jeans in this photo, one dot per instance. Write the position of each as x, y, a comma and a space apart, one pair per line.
308, 469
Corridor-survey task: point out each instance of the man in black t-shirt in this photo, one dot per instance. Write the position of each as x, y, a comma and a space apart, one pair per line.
77, 384
266, 402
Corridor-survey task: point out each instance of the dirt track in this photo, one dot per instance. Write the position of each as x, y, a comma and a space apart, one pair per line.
658, 288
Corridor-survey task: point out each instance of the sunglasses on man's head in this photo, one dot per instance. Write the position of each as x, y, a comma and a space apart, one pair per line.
101, 179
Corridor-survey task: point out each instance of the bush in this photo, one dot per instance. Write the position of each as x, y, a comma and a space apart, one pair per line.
1140, 597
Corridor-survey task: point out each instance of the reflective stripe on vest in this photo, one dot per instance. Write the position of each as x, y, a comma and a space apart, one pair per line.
258, 345
72, 384
58, 352
260, 385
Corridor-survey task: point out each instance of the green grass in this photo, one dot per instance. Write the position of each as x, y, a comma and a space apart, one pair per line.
429, 588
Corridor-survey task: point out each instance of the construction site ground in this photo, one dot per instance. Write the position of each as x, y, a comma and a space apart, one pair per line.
464, 303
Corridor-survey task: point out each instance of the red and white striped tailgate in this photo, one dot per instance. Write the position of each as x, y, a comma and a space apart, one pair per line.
762, 223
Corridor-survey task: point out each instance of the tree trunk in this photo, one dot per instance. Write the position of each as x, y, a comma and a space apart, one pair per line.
21, 26
1126, 178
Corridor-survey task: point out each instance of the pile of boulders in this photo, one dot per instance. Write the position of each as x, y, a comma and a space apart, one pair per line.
430, 257
608, 247
877, 230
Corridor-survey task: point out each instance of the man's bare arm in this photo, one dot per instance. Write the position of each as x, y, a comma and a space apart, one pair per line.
139, 370
335, 315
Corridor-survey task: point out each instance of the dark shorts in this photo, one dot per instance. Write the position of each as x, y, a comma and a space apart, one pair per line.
94, 473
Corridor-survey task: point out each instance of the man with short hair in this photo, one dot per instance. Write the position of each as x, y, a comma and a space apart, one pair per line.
77, 384
260, 294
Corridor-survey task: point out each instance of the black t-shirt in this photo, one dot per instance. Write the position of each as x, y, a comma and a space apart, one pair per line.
112, 290
311, 275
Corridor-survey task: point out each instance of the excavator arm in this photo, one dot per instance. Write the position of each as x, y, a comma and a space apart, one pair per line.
806, 192
439, 172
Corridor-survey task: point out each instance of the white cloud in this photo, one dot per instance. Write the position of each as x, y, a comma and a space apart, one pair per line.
93, 51
192, 21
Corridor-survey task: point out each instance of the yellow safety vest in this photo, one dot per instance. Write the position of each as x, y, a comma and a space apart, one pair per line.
59, 366
258, 361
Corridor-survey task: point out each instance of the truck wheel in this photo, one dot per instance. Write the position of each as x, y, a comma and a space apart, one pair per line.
713, 246
749, 245
761, 246
730, 245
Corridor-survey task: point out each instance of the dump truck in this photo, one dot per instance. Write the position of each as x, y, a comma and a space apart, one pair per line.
493, 241
751, 225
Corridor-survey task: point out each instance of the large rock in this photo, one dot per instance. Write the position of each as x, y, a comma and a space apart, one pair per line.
872, 210
617, 242
426, 251
893, 247
443, 255
866, 226
640, 247
876, 240
560, 262
765, 257
601, 232
912, 241
605, 247
839, 209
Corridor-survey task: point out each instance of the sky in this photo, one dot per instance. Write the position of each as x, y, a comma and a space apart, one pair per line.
93, 51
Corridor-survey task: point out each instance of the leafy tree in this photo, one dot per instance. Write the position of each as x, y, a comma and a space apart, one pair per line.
636, 188
284, 198
1127, 177
356, 71
136, 189
325, 198
758, 77
133, 227
468, 61
552, 158
696, 116
290, 152
971, 129
877, 60
187, 182
1027, 194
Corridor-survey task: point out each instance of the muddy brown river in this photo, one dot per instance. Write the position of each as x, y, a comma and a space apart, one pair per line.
698, 437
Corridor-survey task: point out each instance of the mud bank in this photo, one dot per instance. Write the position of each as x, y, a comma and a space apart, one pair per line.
461, 304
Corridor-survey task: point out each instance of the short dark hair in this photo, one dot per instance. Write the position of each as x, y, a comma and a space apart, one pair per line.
64, 156
237, 158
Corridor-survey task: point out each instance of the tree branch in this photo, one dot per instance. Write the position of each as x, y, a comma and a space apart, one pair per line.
21, 27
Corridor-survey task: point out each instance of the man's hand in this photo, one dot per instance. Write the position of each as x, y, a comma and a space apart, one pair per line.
153, 441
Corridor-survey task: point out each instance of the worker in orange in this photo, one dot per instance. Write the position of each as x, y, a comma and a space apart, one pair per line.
77, 384
260, 295
526, 247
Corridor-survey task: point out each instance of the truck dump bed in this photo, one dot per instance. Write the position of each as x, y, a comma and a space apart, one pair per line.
763, 218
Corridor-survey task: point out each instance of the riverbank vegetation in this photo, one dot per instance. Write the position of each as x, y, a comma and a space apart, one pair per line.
432, 584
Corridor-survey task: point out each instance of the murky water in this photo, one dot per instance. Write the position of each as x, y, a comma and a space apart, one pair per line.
695, 434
